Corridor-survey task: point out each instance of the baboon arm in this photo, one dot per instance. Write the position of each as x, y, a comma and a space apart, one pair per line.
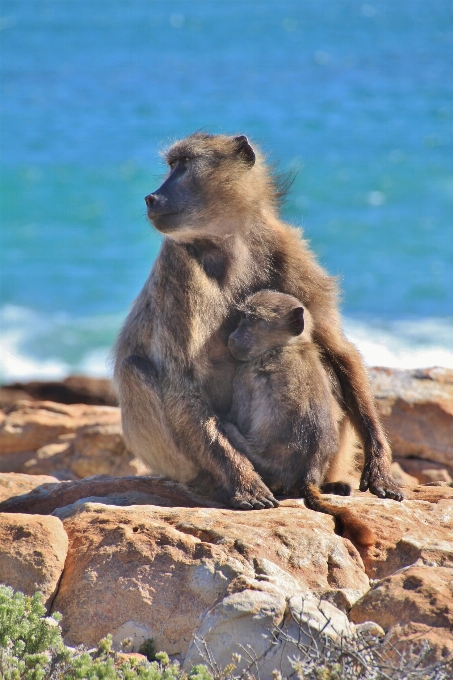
350, 370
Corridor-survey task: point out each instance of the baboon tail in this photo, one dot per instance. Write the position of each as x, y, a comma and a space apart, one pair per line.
357, 530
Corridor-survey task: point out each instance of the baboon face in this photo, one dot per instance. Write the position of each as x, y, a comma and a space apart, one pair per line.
203, 171
269, 320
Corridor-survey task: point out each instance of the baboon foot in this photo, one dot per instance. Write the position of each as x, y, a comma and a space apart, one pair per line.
378, 480
337, 488
254, 495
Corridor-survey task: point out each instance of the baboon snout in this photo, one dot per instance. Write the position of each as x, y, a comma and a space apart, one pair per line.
239, 346
149, 200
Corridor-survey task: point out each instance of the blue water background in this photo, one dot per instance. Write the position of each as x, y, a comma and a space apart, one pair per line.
357, 97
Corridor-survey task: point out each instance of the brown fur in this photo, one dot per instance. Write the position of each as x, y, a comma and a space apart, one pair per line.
224, 241
284, 415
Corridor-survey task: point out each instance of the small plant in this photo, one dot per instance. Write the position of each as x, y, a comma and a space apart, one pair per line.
28, 638
148, 649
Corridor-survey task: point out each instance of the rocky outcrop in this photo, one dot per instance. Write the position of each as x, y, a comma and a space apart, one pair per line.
417, 411
416, 598
147, 558
67, 441
75, 389
33, 550
15, 484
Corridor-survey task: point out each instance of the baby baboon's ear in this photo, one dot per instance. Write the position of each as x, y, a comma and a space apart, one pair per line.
245, 149
296, 320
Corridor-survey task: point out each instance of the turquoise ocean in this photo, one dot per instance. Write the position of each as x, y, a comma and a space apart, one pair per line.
354, 96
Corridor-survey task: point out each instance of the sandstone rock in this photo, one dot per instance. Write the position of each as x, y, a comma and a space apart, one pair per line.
415, 595
401, 477
418, 594
15, 484
29, 425
180, 569
154, 572
417, 411
75, 389
424, 471
68, 442
416, 635
33, 550
418, 529
257, 625
122, 491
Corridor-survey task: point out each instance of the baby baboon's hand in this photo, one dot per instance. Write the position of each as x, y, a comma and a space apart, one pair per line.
253, 495
379, 482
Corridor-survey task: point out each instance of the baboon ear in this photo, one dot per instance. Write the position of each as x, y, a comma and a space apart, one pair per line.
296, 320
245, 149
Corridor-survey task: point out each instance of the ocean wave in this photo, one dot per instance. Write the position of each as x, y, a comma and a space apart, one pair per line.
38, 346
403, 344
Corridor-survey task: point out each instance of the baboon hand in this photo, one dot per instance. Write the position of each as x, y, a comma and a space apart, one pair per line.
253, 495
379, 481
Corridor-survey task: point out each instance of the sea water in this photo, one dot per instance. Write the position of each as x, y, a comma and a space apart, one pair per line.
356, 97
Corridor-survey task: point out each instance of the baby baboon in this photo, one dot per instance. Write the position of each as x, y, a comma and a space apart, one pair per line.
284, 416
218, 210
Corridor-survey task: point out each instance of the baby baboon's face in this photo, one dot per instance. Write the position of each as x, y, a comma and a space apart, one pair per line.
202, 173
269, 320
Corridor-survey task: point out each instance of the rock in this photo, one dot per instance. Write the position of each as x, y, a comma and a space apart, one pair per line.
75, 389
28, 425
67, 441
157, 572
424, 471
122, 491
418, 529
417, 411
148, 558
401, 477
419, 594
33, 550
257, 625
416, 595
15, 484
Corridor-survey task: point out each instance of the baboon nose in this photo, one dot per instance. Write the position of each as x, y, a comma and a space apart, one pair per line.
149, 200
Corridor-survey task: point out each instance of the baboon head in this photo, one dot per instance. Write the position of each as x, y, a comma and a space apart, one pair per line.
213, 180
269, 320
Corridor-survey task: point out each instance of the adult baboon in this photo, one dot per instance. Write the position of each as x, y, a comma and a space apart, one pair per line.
218, 209
285, 416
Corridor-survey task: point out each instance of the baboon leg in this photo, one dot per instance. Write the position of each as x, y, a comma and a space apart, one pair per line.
175, 432
358, 399
145, 427
199, 433
342, 464
337, 488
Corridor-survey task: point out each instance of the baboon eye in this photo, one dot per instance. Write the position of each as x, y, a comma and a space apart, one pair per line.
172, 163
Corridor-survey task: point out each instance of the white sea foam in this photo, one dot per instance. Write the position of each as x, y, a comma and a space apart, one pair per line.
36, 346
404, 344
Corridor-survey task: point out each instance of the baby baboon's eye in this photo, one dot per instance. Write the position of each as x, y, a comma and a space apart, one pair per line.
172, 163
